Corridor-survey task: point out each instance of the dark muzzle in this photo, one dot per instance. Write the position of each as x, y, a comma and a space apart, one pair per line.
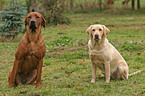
32, 24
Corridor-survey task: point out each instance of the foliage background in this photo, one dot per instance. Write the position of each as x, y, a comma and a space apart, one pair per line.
11, 19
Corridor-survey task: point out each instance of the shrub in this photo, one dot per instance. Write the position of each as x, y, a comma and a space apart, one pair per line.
11, 19
53, 11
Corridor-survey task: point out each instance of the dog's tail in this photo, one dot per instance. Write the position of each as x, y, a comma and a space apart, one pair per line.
136, 72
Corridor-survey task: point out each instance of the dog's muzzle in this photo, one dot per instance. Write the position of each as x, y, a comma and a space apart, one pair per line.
33, 24
96, 37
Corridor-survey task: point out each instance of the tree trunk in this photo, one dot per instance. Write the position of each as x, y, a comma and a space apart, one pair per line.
63, 4
100, 5
33, 6
132, 4
138, 4
71, 4
28, 4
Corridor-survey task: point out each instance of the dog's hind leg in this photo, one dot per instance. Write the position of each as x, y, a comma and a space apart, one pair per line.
18, 79
126, 73
32, 77
122, 71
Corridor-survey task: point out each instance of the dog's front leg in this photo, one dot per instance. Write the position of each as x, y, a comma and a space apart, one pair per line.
22, 49
93, 72
107, 71
13, 73
39, 71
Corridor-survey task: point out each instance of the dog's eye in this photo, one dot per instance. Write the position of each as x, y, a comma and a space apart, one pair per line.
93, 30
29, 17
100, 29
37, 16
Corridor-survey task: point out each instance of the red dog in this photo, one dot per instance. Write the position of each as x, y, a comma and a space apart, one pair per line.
28, 62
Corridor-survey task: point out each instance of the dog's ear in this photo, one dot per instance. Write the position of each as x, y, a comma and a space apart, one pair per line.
106, 30
26, 21
89, 29
43, 23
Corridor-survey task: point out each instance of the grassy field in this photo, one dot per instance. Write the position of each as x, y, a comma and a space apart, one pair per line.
67, 68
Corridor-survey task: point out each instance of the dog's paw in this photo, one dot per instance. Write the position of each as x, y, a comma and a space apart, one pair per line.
10, 86
107, 81
93, 81
38, 85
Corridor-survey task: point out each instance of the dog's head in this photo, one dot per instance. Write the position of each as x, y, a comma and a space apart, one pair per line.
34, 20
97, 32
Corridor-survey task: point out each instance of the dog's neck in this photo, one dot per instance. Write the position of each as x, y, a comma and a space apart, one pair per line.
98, 46
33, 35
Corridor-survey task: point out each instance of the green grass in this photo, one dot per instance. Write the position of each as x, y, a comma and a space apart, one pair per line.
67, 68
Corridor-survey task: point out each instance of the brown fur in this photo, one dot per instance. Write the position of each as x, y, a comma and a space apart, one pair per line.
29, 55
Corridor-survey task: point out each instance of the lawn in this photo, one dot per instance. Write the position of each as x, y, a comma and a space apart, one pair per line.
67, 68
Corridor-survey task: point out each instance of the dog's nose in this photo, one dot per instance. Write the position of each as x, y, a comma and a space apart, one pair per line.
33, 22
96, 37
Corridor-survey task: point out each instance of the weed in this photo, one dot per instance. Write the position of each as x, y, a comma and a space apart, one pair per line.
132, 46
61, 41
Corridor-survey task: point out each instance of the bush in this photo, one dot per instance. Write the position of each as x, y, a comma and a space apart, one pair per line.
11, 19
53, 11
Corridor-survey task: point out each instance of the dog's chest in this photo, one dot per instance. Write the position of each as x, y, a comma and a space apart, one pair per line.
30, 60
33, 48
98, 60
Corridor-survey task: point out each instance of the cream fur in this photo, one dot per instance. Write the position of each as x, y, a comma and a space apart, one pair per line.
104, 56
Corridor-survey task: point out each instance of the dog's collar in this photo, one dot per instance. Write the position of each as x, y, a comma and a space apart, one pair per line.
93, 52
